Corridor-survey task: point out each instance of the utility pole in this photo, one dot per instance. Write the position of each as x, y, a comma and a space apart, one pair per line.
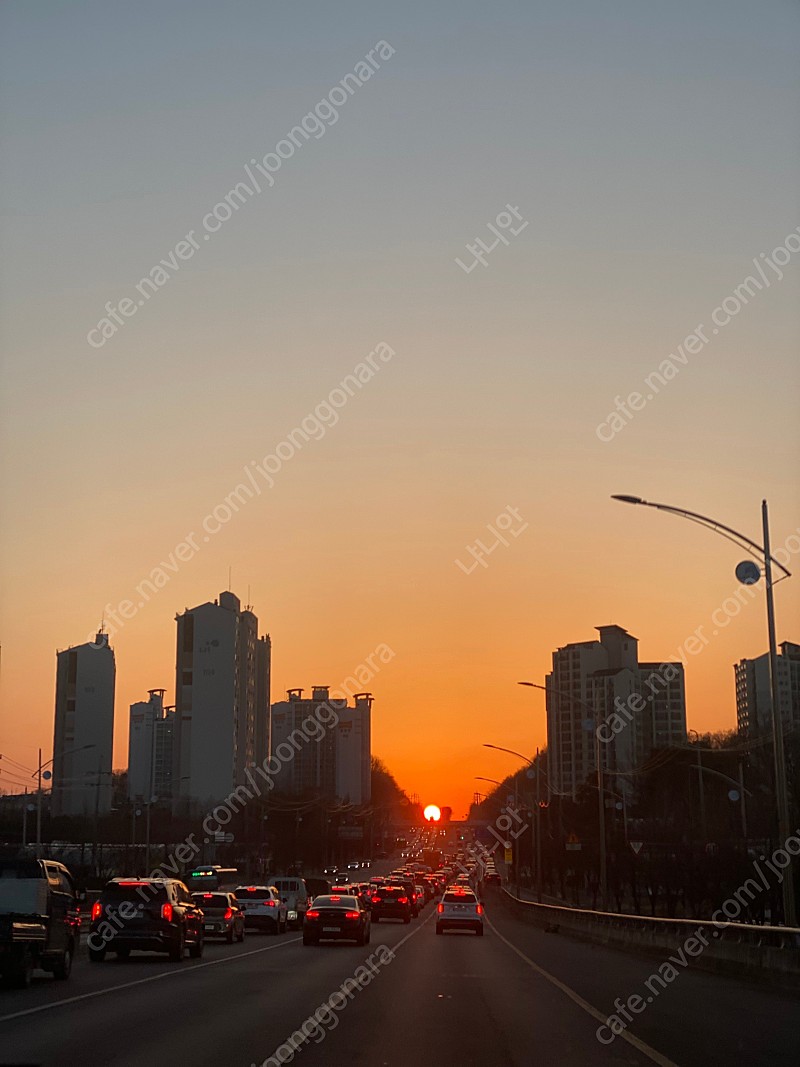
538, 830
701, 787
781, 793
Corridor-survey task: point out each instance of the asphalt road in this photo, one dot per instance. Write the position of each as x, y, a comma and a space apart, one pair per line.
517, 996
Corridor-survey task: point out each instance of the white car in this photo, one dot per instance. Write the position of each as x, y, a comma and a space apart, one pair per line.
262, 907
294, 894
459, 909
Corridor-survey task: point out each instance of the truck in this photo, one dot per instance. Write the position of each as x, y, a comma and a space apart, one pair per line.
39, 919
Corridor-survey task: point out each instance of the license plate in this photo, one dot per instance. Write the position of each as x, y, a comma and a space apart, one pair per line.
208, 927
330, 929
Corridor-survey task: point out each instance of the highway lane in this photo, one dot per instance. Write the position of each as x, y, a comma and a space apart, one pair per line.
456, 999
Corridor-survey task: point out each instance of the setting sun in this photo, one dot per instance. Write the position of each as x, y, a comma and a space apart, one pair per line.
432, 812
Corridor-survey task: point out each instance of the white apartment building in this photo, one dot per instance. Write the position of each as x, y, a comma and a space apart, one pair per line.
221, 699
754, 695
597, 683
83, 736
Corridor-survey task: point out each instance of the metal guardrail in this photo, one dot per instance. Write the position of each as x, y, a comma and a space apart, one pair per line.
754, 948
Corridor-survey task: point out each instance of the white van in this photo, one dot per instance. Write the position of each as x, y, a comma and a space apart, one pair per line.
294, 894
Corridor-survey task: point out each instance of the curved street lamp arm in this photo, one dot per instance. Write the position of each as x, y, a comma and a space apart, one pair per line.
728, 532
510, 751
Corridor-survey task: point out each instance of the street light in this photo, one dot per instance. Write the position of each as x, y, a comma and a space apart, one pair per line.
480, 778
531, 763
601, 808
38, 775
749, 574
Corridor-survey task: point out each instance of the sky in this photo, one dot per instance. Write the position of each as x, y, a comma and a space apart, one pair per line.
649, 154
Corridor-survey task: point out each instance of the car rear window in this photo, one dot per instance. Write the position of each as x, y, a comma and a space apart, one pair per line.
211, 900
254, 893
138, 892
460, 898
390, 891
336, 901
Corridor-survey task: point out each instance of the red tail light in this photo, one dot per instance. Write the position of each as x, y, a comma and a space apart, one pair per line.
479, 909
271, 904
97, 910
228, 914
402, 900
312, 914
351, 915
376, 900
166, 912
440, 908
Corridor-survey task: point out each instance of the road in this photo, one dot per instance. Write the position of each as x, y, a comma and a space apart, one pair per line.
517, 996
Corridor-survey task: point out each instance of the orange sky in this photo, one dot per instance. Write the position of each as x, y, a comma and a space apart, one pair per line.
653, 161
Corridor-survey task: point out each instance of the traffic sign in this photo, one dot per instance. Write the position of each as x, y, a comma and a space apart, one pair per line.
573, 844
636, 846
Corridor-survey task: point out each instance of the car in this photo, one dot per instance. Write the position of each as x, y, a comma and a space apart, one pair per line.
492, 878
294, 894
145, 915
39, 919
411, 893
459, 909
330, 870
222, 916
262, 908
339, 917
390, 902
421, 894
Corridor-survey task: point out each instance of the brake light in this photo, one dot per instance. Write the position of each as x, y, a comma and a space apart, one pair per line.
228, 914
207, 896
351, 915
97, 910
271, 904
479, 909
312, 914
440, 908
131, 883
336, 898
166, 912
402, 900
376, 900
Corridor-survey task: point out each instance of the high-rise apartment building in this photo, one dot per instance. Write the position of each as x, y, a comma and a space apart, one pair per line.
354, 751
151, 748
222, 683
601, 684
754, 695
83, 736
323, 745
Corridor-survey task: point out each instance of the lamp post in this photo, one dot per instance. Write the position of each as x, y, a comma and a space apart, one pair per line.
525, 759
37, 774
748, 573
601, 802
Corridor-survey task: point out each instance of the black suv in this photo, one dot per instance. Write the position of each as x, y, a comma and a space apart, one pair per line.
391, 902
147, 915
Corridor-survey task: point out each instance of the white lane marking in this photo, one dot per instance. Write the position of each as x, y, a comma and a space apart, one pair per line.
143, 981
645, 1049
